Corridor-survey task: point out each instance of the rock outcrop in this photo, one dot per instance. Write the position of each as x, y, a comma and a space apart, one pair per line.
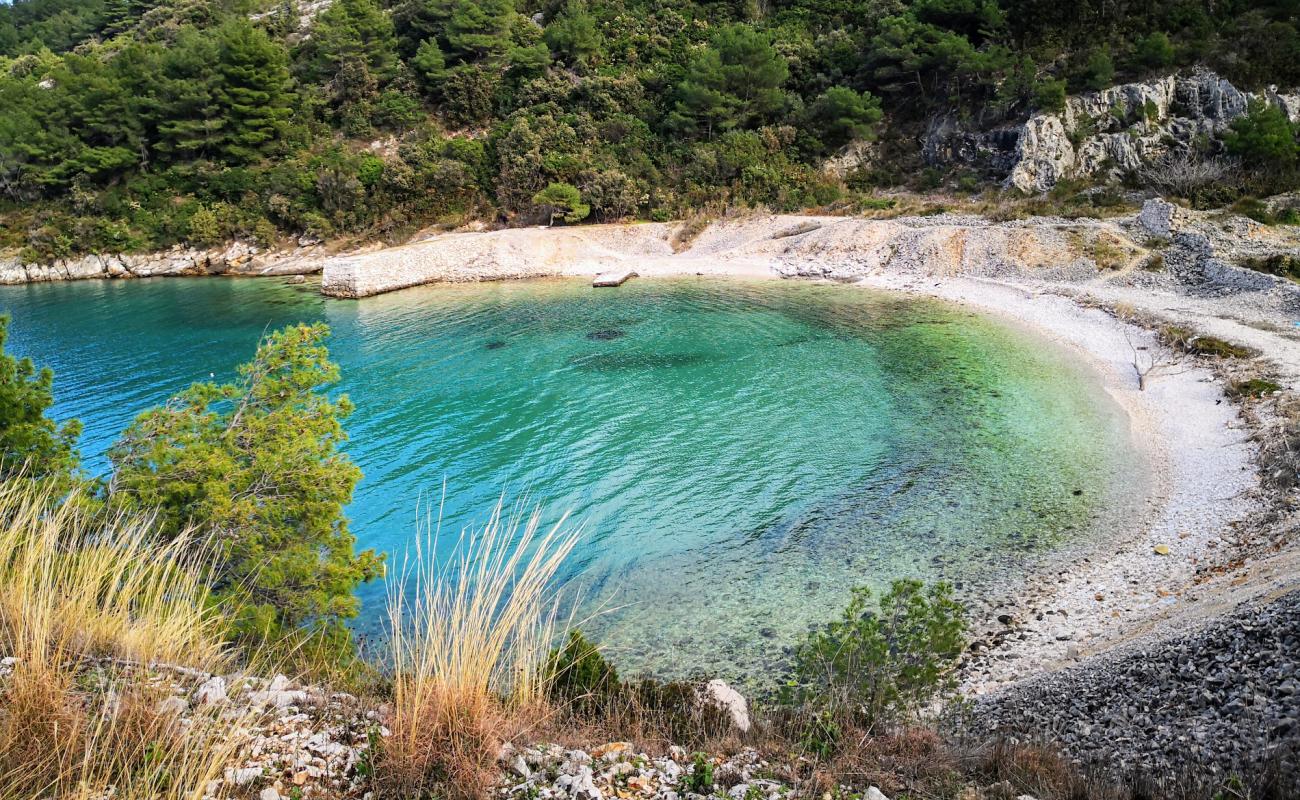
1106, 134
237, 258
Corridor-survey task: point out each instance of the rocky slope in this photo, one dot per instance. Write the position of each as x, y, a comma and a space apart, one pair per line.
1223, 701
1102, 135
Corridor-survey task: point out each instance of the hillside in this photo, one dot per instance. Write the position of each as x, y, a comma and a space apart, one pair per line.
137, 125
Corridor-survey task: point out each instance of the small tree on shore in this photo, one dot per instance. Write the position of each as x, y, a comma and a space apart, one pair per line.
255, 466
562, 200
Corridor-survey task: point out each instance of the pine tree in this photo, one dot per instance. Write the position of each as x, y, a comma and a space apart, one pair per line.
480, 29
256, 466
356, 31
31, 445
121, 15
573, 34
252, 88
190, 118
734, 82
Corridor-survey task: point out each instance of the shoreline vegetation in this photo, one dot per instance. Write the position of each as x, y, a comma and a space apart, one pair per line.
468, 697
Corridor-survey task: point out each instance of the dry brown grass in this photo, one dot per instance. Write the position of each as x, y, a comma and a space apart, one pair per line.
74, 590
469, 635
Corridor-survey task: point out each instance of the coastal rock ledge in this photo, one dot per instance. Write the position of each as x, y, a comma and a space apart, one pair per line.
238, 258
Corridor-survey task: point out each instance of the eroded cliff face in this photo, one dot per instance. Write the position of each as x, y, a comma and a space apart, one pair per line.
1106, 134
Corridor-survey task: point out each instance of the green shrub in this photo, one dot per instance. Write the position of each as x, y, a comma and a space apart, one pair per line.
1196, 344
579, 675
1049, 96
1283, 265
204, 229
562, 200
1251, 388
821, 735
700, 779
1264, 137
876, 668
1154, 51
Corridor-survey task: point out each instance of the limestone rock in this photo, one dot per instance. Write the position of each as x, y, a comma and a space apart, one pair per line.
1044, 155
718, 694
583, 786
211, 691
1105, 134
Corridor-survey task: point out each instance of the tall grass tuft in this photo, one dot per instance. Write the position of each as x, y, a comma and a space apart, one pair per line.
77, 593
469, 637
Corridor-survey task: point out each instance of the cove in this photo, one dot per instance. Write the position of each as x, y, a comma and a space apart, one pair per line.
739, 453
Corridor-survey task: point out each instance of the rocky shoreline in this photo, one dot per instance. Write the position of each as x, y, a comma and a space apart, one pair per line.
236, 259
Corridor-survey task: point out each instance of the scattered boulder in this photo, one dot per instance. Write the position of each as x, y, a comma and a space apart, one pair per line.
211, 691
718, 694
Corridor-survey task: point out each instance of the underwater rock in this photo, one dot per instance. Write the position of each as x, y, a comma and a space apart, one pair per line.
606, 334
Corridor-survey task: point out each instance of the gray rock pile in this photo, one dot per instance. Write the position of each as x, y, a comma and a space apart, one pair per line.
617, 770
1203, 706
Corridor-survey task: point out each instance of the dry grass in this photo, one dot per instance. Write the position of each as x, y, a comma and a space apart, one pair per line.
72, 587
1279, 444
469, 636
73, 590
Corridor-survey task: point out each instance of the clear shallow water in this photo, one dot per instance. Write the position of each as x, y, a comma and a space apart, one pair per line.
740, 453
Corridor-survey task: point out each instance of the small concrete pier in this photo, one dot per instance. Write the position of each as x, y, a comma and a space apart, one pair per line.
613, 278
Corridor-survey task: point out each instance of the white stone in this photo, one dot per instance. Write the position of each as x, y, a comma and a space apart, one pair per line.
875, 794
211, 691
583, 786
172, 706
718, 693
521, 768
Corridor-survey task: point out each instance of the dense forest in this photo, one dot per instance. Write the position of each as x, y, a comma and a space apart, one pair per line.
139, 124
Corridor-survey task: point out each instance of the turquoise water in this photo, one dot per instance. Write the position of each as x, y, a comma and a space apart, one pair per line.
739, 453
